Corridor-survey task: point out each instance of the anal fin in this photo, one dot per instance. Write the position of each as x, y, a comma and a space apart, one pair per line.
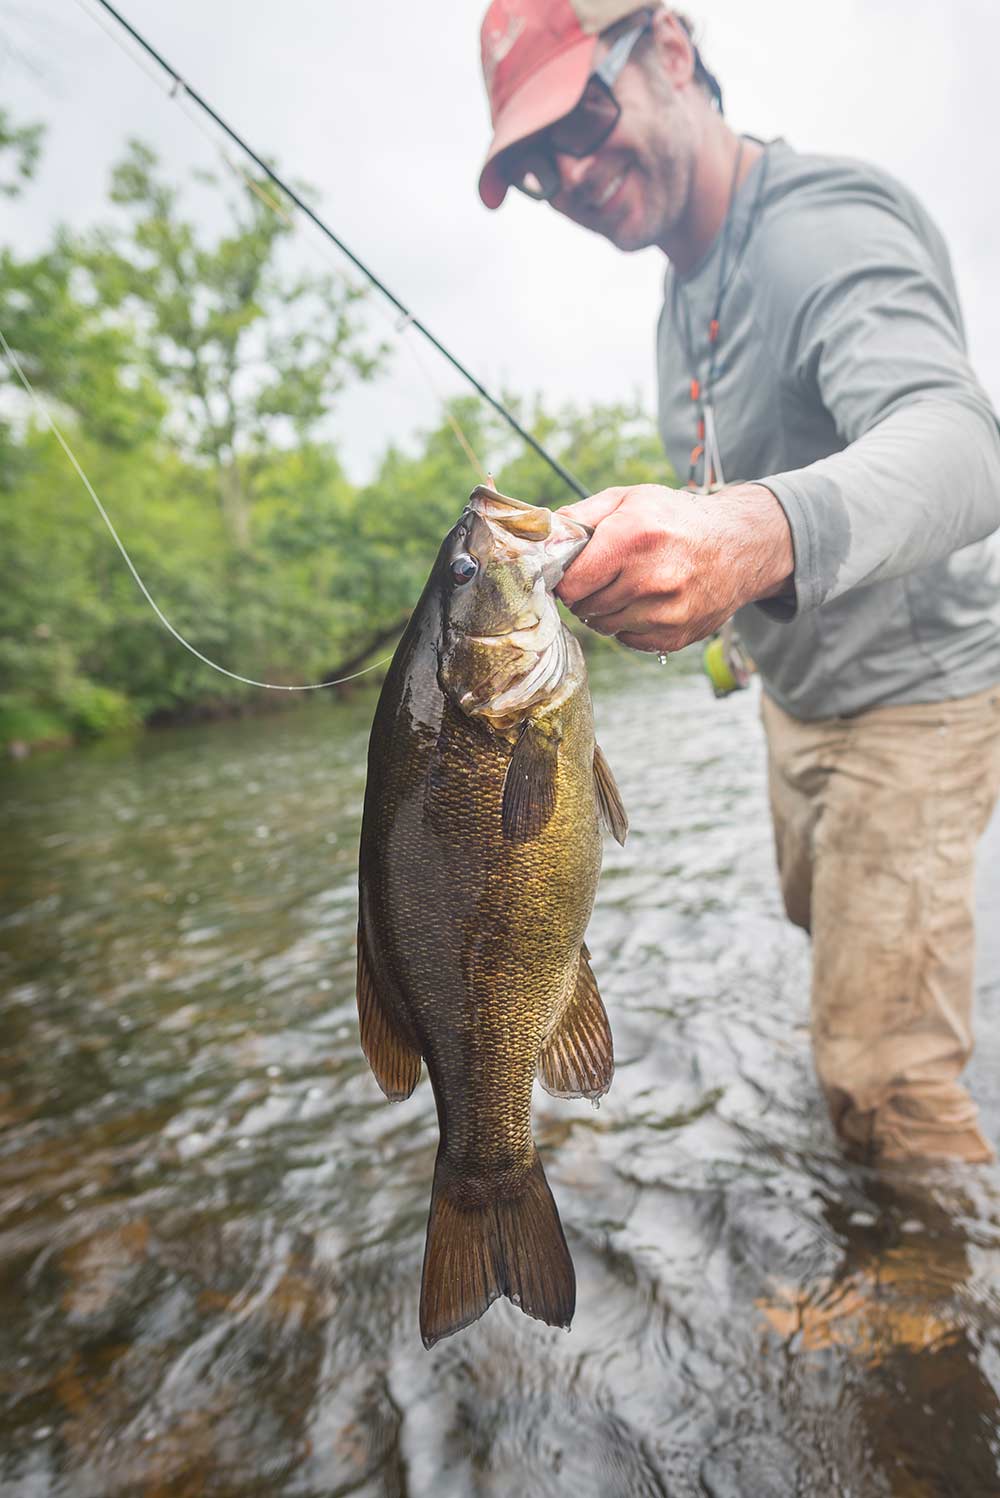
577, 1059
609, 798
391, 1056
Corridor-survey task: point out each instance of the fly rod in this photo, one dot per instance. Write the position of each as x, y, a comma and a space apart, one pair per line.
180, 83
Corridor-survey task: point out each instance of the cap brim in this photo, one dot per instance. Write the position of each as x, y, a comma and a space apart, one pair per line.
541, 100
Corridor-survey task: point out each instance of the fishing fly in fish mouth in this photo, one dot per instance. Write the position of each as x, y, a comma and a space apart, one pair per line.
480, 854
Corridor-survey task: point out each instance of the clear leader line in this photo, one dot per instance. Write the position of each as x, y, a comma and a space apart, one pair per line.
180, 83
271, 686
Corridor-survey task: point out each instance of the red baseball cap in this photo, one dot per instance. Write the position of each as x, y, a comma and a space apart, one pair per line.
537, 57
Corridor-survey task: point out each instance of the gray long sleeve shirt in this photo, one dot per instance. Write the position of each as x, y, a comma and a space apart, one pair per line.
842, 382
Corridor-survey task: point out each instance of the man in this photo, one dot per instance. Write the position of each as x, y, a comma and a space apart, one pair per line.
810, 348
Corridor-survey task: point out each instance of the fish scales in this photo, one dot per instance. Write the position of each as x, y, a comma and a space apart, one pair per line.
474, 905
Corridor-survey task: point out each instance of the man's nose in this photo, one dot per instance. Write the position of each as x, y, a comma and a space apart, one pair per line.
572, 171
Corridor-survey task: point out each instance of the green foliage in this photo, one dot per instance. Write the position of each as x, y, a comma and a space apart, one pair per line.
71, 616
193, 376
65, 338
250, 355
602, 446
72, 352
20, 146
95, 711
23, 723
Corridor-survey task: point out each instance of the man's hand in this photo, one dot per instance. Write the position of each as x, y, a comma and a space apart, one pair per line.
666, 566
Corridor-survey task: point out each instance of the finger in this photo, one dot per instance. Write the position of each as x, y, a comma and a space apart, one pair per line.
595, 508
599, 563
652, 644
590, 581
599, 627
618, 595
635, 618
653, 613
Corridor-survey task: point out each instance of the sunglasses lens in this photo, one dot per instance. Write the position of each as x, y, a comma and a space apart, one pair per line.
533, 173
588, 125
532, 184
579, 133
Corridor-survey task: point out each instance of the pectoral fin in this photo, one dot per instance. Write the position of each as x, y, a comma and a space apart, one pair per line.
391, 1055
577, 1059
609, 798
529, 788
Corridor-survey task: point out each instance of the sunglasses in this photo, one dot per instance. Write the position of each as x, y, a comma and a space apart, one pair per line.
532, 167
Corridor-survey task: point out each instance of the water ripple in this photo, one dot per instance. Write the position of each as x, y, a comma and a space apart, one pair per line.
211, 1223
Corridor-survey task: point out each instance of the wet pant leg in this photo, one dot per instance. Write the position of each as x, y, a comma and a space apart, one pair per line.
876, 823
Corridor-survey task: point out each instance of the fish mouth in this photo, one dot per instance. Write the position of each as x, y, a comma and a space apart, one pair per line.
505, 634
560, 537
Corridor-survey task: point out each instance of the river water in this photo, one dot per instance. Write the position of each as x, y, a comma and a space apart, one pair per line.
211, 1222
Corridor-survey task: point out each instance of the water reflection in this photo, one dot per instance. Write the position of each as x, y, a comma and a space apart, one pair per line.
211, 1223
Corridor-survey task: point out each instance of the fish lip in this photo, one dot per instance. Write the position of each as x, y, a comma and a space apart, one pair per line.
563, 539
561, 551
504, 634
501, 634
516, 517
485, 492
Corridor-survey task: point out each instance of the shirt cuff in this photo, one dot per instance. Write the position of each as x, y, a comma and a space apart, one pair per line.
809, 584
788, 605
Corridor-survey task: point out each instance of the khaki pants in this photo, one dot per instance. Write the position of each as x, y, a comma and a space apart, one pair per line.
876, 821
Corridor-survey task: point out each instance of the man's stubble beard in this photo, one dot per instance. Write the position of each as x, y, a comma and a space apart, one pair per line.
671, 186
668, 168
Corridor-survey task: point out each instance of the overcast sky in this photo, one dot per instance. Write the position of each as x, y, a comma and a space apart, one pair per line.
381, 108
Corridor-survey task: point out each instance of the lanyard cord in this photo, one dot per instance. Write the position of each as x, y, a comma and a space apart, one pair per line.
701, 394
720, 291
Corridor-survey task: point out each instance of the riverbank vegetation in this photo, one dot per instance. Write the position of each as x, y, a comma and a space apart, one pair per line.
194, 373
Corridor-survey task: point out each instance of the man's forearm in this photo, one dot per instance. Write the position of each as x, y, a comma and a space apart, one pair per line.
666, 567
757, 534
923, 483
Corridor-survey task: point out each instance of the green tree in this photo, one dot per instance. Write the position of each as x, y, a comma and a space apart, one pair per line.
20, 146
193, 372
60, 333
601, 445
252, 356
414, 499
71, 351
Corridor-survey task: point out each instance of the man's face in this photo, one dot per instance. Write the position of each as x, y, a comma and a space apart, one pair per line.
634, 189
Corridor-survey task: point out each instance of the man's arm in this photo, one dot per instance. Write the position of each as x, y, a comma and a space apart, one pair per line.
667, 567
859, 319
866, 324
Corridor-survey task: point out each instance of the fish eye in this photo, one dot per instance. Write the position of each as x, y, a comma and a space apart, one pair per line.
464, 568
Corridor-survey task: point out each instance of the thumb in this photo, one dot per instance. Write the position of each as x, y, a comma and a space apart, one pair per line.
596, 508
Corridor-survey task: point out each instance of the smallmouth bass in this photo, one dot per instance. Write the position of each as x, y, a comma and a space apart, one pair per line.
480, 854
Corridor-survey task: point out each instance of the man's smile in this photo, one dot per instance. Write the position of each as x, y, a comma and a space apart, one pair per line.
596, 199
604, 196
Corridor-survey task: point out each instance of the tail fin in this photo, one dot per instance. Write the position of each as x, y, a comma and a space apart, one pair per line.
513, 1246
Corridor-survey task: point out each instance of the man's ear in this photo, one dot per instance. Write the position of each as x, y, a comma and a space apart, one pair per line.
674, 48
